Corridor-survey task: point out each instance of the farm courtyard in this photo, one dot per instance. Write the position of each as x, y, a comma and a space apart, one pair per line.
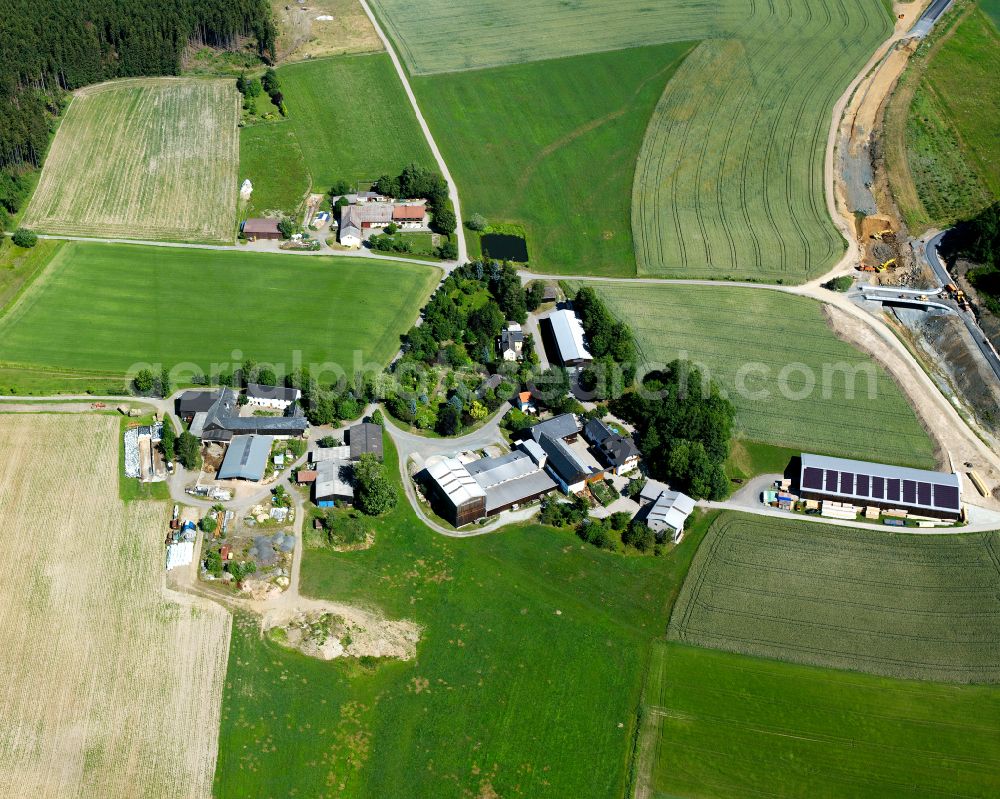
143, 158
111, 687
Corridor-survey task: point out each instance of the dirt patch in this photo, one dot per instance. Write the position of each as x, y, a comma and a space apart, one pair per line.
323, 28
327, 630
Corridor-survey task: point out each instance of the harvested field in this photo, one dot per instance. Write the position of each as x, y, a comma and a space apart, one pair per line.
764, 348
110, 686
791, 730
911, 606
143, 158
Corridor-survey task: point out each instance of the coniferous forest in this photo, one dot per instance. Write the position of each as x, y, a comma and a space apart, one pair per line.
49, 47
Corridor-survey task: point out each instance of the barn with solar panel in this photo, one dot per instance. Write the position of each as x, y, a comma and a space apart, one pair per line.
936, 495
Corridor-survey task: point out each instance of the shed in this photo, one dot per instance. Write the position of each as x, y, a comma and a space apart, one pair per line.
261, 228
365, 438
246, 458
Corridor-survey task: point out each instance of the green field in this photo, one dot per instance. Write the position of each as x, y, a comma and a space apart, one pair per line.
143, 158
526, 681
911, 606
18, 266
758, 334
560, 119
352, 119
737, 726
104, 308
729, 179
943, 142
270, 157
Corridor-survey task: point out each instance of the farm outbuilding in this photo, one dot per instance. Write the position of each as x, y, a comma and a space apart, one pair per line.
365, 438
246, 458
260, 228
568, 338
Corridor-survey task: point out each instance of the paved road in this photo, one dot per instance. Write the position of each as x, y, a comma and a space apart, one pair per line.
463, 254
926, 21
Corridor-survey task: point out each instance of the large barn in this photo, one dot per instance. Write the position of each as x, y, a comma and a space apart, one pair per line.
919, 492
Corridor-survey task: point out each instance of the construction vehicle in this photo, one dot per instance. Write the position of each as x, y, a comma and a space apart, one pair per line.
866, 268
887, 264
883, 234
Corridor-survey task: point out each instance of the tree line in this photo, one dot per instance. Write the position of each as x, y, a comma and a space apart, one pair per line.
49, 47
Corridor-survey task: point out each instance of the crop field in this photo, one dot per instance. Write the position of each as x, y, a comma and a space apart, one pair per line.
766, 349
943, 148
737, 726
533, 651
111, 687
351, 119
729, 178
559, 119
144, 158
106, 307
910, 606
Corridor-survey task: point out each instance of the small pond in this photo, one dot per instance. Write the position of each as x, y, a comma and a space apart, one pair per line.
505, 247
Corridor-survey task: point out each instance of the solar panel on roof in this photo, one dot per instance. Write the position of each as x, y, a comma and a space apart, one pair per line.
831, 480
812, 478
924, 493
909, 491
946, 496
862, 487
878, 487
846, 482
892, 490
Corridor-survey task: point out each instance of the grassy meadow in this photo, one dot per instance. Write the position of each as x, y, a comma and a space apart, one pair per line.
560, 118
143, 158
746, 339
19, 266
909, 606
270, 157
943, 150
533, 652
351, 119
730, 725
103, 308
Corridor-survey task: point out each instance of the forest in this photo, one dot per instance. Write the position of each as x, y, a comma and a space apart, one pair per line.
49, 47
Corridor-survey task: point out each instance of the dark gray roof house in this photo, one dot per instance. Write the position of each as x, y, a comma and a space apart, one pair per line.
565, 464
565, 425
364, 438
222, 421
614, 449
191, 402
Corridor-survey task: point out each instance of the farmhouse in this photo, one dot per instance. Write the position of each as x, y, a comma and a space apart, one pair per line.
365, 438
665, 511
276, 397
619, 453
511, 343
409, 216
568, 460
567, 335
246, 458
222, 421
859, 483
376, 215
260, 228
464, 492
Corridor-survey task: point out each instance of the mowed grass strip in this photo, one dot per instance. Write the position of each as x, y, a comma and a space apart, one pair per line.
911, 606
730, 178
451, 35
552, 146
143, 158
352, 119
533, 651
739, 726
765, 348
103, 307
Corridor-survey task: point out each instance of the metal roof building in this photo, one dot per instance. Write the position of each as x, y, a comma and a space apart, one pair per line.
333, 482
925, 493
462, 499
567, 332
246, 458
365, 438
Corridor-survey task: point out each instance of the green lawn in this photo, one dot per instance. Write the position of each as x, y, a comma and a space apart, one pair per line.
910, 606
737, 726
351, 119
19, 266
749, 341
533, 652
270, 157
552, 146
103, 308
